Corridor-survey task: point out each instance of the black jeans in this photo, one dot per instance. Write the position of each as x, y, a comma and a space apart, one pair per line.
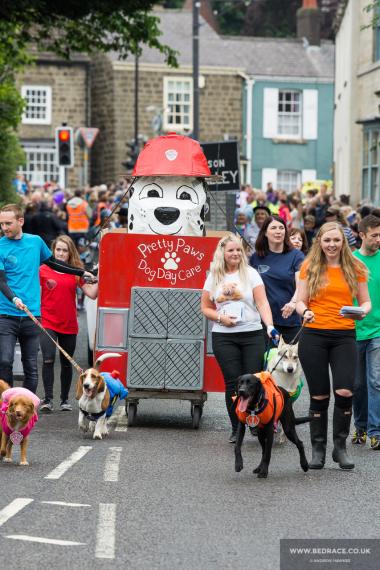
27, 333
318, 349
67, 342
237, 354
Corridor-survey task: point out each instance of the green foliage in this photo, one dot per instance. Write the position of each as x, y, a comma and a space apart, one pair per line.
11, 156
89, 26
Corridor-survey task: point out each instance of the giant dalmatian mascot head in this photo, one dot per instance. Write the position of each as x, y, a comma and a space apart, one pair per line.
168, 194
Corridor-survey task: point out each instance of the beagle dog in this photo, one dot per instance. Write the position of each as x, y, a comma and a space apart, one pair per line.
18, 414
97, 393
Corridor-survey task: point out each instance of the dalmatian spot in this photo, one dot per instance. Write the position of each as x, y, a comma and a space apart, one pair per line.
170, 260
51, 284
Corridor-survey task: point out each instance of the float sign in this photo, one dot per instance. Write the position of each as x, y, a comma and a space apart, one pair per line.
223, 159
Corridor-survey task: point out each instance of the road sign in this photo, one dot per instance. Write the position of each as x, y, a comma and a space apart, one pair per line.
223, 159
88, 135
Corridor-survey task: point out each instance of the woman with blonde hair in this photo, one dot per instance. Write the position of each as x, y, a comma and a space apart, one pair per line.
234, 298
330, 278
59, 318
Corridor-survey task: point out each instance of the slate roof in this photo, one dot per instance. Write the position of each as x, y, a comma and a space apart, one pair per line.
272, 57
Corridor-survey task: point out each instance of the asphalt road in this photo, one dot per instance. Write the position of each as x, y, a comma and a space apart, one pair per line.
162, 495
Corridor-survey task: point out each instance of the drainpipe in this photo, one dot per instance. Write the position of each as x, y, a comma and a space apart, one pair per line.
249, 83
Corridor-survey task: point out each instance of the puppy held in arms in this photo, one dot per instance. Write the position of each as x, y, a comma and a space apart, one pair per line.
261, 403
97, 393
18, 414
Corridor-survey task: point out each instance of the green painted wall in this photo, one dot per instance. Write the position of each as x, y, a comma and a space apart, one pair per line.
313, 154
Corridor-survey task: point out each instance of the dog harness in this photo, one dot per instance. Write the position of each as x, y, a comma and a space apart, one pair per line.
16, 436
116, 390
268, 408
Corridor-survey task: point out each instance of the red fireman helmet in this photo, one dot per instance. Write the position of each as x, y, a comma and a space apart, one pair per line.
172, 155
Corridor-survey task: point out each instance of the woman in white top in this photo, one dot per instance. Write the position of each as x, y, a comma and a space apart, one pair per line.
234, 298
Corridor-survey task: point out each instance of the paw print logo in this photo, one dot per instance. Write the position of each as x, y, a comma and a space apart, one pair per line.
170, 260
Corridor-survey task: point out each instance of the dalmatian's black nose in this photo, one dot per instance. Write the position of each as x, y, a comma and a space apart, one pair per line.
166, 216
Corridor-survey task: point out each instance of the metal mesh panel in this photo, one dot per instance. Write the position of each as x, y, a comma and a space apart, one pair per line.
185, 319
209, 326
149, 312
184, 365
146, 363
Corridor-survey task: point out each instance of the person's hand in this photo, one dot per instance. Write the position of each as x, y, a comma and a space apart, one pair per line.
228, 321
273, 334
89, 278
19, 304
288, 309
308, 316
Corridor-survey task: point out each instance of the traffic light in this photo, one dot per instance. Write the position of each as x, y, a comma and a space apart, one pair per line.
64, 144
132, 154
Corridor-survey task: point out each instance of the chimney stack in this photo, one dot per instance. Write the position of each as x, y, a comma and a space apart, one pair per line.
309, 22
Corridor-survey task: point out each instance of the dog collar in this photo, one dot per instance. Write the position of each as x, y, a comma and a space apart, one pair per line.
92, 417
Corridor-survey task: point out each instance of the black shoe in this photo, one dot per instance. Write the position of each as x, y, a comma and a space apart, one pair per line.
341, 429
318, 436
232, 437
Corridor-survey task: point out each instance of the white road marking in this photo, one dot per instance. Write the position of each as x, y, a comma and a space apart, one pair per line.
63, 504
122, 422
111, 468
105, 535
45, 540
69, 462
120, 411
13, 508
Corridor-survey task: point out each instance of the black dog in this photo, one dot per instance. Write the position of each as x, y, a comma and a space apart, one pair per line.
253, 395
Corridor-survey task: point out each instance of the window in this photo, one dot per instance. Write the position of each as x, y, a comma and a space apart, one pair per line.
38, 105
178, 105
370, 168
288, 180
289, 113
40, 166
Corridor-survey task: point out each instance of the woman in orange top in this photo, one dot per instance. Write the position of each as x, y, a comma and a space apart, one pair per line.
330, 278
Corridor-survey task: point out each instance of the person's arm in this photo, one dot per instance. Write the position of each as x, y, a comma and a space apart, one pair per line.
8, 293
63, 267
364, 301
290, 306
302, 301
262, 304
90, 290
209, 310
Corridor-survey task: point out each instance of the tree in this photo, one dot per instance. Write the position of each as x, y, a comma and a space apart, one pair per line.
67, 26
63, 27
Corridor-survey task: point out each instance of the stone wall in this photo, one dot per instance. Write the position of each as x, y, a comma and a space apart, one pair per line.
69, 102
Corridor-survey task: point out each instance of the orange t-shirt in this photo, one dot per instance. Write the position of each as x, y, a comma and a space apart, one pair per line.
330, 299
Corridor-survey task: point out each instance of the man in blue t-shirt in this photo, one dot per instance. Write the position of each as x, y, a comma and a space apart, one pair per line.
20, 258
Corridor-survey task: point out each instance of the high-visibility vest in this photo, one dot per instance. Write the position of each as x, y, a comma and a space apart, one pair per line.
77, 218
270, 410
101, 206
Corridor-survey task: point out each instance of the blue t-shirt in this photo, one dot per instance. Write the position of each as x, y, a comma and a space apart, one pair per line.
20, 259
277, 271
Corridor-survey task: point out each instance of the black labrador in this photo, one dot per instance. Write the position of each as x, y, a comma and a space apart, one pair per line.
251, 390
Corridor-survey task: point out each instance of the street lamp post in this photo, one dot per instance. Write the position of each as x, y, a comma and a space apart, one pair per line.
196, 6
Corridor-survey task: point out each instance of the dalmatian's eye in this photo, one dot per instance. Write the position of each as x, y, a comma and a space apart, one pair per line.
151, 191
187, 193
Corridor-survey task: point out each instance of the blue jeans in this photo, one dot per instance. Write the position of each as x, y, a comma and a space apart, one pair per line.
366, 401
27, 333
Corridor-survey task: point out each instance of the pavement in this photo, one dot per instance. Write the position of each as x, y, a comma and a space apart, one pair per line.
163, 495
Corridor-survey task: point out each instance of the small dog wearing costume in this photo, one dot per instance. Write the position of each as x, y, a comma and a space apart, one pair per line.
97, 393
18, 414
260, 403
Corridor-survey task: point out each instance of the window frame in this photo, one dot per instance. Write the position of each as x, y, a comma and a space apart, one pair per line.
283, 114
285, 187
48, 174
178, 127
48, 107
370, 187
